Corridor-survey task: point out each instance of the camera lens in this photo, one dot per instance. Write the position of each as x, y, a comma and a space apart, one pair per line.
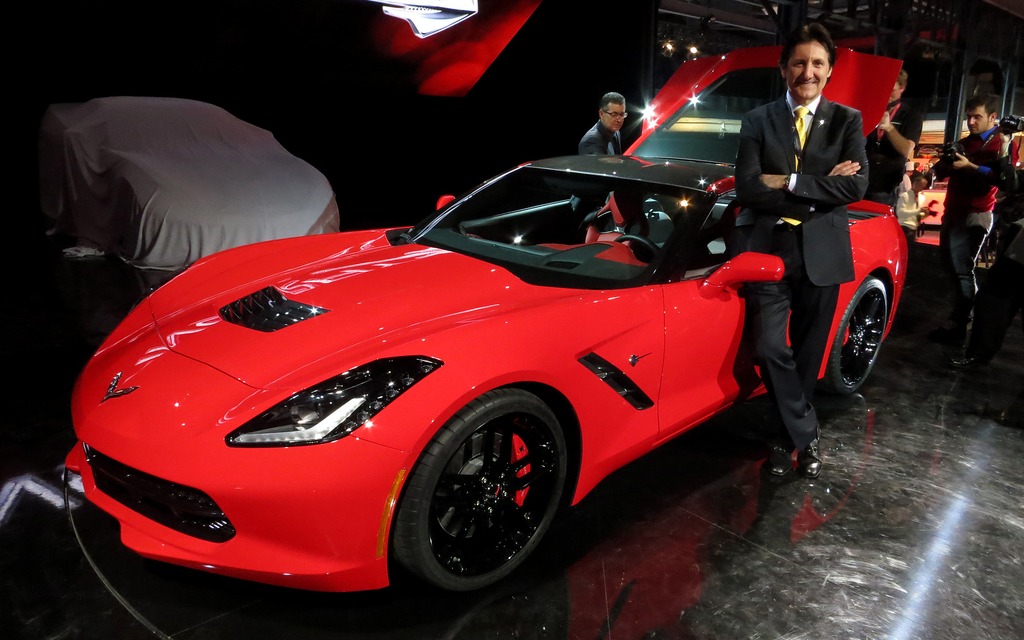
1012, 124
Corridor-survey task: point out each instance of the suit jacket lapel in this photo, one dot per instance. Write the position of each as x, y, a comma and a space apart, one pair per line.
784, 130
821, 117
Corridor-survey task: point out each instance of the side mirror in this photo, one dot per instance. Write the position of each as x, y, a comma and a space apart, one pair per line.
746, 267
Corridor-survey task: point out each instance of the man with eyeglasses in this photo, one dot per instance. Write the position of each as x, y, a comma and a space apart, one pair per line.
604, 137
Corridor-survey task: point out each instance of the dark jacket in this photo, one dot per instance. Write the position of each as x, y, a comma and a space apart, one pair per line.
596, 140
766, 147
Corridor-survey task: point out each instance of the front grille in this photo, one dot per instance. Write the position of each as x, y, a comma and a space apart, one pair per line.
181, 508
268, 310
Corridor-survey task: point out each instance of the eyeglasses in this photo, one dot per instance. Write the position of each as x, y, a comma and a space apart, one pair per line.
616, 115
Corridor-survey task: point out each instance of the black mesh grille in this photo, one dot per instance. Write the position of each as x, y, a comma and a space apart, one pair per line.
268, 310
181, 508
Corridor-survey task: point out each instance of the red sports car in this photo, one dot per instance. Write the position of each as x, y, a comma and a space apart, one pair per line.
316, 411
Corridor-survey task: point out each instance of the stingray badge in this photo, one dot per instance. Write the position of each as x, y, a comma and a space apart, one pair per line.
114, 392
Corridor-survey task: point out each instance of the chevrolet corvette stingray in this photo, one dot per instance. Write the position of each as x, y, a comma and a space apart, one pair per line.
318, 411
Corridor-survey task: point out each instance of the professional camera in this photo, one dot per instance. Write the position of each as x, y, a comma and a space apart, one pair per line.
949, 151
1012, 124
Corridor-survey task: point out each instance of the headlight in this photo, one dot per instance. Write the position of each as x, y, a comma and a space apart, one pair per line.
335, 407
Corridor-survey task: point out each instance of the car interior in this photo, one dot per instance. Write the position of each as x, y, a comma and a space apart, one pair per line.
596, 232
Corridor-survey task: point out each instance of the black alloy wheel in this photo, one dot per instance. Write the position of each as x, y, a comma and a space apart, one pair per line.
854, 349
483, 493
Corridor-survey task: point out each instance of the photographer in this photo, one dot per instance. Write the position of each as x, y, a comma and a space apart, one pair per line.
1001, 296
976, 168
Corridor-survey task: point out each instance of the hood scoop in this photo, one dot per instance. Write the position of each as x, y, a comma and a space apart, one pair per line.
268, 310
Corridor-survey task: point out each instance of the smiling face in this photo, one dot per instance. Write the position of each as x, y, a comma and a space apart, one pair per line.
807, 71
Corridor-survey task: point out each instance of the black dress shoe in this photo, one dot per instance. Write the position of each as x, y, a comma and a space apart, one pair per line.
780, 460
966, 362
953, 334
809, 460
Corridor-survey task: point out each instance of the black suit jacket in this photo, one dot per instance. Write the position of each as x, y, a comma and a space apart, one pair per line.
767, 146
597, 139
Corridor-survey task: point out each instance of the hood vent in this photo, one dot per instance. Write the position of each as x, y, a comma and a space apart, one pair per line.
268, 310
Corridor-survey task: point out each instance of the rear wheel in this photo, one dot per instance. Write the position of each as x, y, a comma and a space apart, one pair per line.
483, 493
855, 347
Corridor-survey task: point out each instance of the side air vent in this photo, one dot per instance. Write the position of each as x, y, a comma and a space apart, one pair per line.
617, 380
268, 310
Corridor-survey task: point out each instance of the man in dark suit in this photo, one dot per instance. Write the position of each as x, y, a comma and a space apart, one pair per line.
605, 137
793, 182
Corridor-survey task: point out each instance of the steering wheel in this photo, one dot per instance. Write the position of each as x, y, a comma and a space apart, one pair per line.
645, 245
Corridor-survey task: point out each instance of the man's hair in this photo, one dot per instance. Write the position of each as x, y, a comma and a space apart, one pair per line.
813, 32
901, 79
916, 176
989, 103
611, 98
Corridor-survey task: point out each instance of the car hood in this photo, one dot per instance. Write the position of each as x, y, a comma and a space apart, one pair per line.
348, 296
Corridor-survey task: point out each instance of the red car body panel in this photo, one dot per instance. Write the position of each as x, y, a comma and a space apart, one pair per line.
170, 383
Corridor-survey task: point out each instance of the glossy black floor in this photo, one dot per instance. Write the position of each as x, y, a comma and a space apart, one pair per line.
914, 530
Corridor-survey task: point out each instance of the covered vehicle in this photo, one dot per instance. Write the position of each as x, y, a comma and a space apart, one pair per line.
316, 412
161, 182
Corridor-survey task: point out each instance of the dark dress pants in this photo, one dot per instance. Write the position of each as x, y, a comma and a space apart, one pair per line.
789, 367
960, 245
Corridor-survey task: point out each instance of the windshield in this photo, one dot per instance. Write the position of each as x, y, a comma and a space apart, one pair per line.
560, 228
708, 127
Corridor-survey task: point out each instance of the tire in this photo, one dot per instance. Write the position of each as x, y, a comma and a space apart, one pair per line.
483, 493
855, 346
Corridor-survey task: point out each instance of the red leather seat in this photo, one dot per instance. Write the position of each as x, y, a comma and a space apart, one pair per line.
626, 216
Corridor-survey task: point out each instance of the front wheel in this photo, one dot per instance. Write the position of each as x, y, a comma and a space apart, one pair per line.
483, 493
859, 336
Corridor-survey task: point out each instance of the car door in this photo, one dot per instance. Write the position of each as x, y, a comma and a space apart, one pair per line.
707, 366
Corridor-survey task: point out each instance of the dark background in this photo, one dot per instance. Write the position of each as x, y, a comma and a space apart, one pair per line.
299, 69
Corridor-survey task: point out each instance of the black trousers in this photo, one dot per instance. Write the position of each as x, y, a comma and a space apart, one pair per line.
999, 299
959, 246
790, 322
